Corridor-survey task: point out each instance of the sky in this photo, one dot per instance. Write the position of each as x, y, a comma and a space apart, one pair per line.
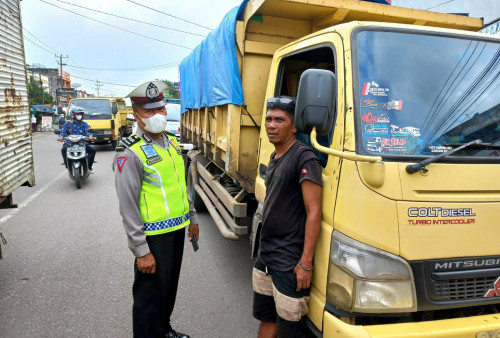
120, 57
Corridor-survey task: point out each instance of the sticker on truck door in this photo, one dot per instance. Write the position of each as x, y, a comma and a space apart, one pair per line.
373, 88
391, 105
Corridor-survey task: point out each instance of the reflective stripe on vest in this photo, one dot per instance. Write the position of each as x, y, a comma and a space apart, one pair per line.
163, 201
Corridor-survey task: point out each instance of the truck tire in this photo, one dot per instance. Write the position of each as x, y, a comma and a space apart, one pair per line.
198, 203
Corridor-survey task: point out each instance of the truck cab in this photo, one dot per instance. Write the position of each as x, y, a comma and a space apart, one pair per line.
400, 251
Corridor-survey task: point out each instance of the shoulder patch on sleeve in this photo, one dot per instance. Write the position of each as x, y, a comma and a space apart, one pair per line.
131, 140
120, 161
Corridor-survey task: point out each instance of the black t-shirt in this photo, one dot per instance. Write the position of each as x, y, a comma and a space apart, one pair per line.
284, 216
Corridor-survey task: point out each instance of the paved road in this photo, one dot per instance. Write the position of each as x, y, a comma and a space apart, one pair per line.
67, 271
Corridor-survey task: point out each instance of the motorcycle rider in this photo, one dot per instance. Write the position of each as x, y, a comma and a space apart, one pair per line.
77, 127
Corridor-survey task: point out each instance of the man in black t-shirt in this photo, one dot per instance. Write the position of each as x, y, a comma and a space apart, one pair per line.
290, 227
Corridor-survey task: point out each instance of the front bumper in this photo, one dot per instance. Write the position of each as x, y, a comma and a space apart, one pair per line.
469, 327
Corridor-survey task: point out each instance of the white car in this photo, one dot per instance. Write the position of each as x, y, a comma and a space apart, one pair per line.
174, 119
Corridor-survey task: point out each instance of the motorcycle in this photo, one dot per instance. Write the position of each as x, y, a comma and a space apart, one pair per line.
76, 158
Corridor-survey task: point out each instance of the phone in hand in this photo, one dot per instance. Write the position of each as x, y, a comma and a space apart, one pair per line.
194, 242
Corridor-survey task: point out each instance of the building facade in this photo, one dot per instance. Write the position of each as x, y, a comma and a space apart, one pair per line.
51, 74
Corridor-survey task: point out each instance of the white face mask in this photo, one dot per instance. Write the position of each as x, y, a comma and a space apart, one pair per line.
79, 117
155, 124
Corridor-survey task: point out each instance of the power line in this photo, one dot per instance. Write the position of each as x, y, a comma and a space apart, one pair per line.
439, 5
43, 43
109, 83
173, 16
125, 30
167, 65
37, 45
125, 18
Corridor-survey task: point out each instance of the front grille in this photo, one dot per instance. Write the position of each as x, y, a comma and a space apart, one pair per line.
460, 289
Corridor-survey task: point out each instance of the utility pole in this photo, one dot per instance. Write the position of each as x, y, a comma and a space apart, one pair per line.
61, 64
98, 86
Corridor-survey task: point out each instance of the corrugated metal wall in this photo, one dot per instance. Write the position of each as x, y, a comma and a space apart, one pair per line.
16, 151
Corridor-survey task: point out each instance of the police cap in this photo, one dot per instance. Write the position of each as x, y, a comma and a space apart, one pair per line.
148, 95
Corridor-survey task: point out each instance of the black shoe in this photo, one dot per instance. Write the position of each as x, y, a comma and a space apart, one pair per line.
173, 334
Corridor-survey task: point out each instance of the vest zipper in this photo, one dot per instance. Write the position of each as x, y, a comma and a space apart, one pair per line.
178, 179
146, 202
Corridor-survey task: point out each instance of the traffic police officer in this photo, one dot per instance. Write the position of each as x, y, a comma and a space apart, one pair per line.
155, 207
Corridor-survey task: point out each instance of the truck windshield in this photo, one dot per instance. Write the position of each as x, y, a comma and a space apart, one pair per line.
95, 109
421, 94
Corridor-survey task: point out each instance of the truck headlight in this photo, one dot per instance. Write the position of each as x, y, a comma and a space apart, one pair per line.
362, 278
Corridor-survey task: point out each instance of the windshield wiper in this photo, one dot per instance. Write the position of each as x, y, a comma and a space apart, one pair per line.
413, 168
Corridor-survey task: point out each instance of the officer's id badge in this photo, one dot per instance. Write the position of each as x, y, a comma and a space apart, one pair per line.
151, 154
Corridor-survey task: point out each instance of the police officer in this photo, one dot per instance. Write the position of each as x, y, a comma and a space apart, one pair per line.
151, 189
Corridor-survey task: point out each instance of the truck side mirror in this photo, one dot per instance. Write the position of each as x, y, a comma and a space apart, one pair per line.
316, 102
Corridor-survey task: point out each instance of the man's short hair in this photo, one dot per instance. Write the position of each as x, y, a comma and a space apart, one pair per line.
283, 102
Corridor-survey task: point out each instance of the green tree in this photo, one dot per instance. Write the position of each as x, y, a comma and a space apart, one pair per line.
35, 93
170, 93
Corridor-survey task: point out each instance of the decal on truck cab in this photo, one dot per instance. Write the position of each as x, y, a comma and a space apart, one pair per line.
495, 292
440, 216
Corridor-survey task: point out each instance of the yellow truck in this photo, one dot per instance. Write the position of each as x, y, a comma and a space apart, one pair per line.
403, 109
107, 116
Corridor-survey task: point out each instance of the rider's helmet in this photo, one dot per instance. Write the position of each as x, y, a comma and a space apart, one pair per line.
77, 110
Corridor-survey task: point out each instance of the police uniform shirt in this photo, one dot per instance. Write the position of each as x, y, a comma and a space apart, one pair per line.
128, 183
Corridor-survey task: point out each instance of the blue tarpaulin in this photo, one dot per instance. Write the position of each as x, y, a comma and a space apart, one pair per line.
210, 75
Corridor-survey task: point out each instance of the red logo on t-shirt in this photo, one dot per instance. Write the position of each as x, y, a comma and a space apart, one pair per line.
304, 171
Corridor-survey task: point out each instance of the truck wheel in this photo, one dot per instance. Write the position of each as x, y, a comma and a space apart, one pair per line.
198, 203
113, 144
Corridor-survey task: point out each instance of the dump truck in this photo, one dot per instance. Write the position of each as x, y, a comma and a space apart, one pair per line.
106, 116
403, 110
16, 150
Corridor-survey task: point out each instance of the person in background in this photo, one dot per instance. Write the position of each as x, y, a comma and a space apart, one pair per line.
77, 127
155, 207
61, 121
290, 227
33, 123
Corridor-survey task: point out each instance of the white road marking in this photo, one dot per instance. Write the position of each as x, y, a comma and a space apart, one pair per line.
29, 199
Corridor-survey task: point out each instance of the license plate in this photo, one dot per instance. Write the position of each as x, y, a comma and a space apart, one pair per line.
76, 149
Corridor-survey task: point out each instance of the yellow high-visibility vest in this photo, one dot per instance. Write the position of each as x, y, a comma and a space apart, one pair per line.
163, 202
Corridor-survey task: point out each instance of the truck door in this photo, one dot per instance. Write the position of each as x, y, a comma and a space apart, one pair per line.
324, 51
